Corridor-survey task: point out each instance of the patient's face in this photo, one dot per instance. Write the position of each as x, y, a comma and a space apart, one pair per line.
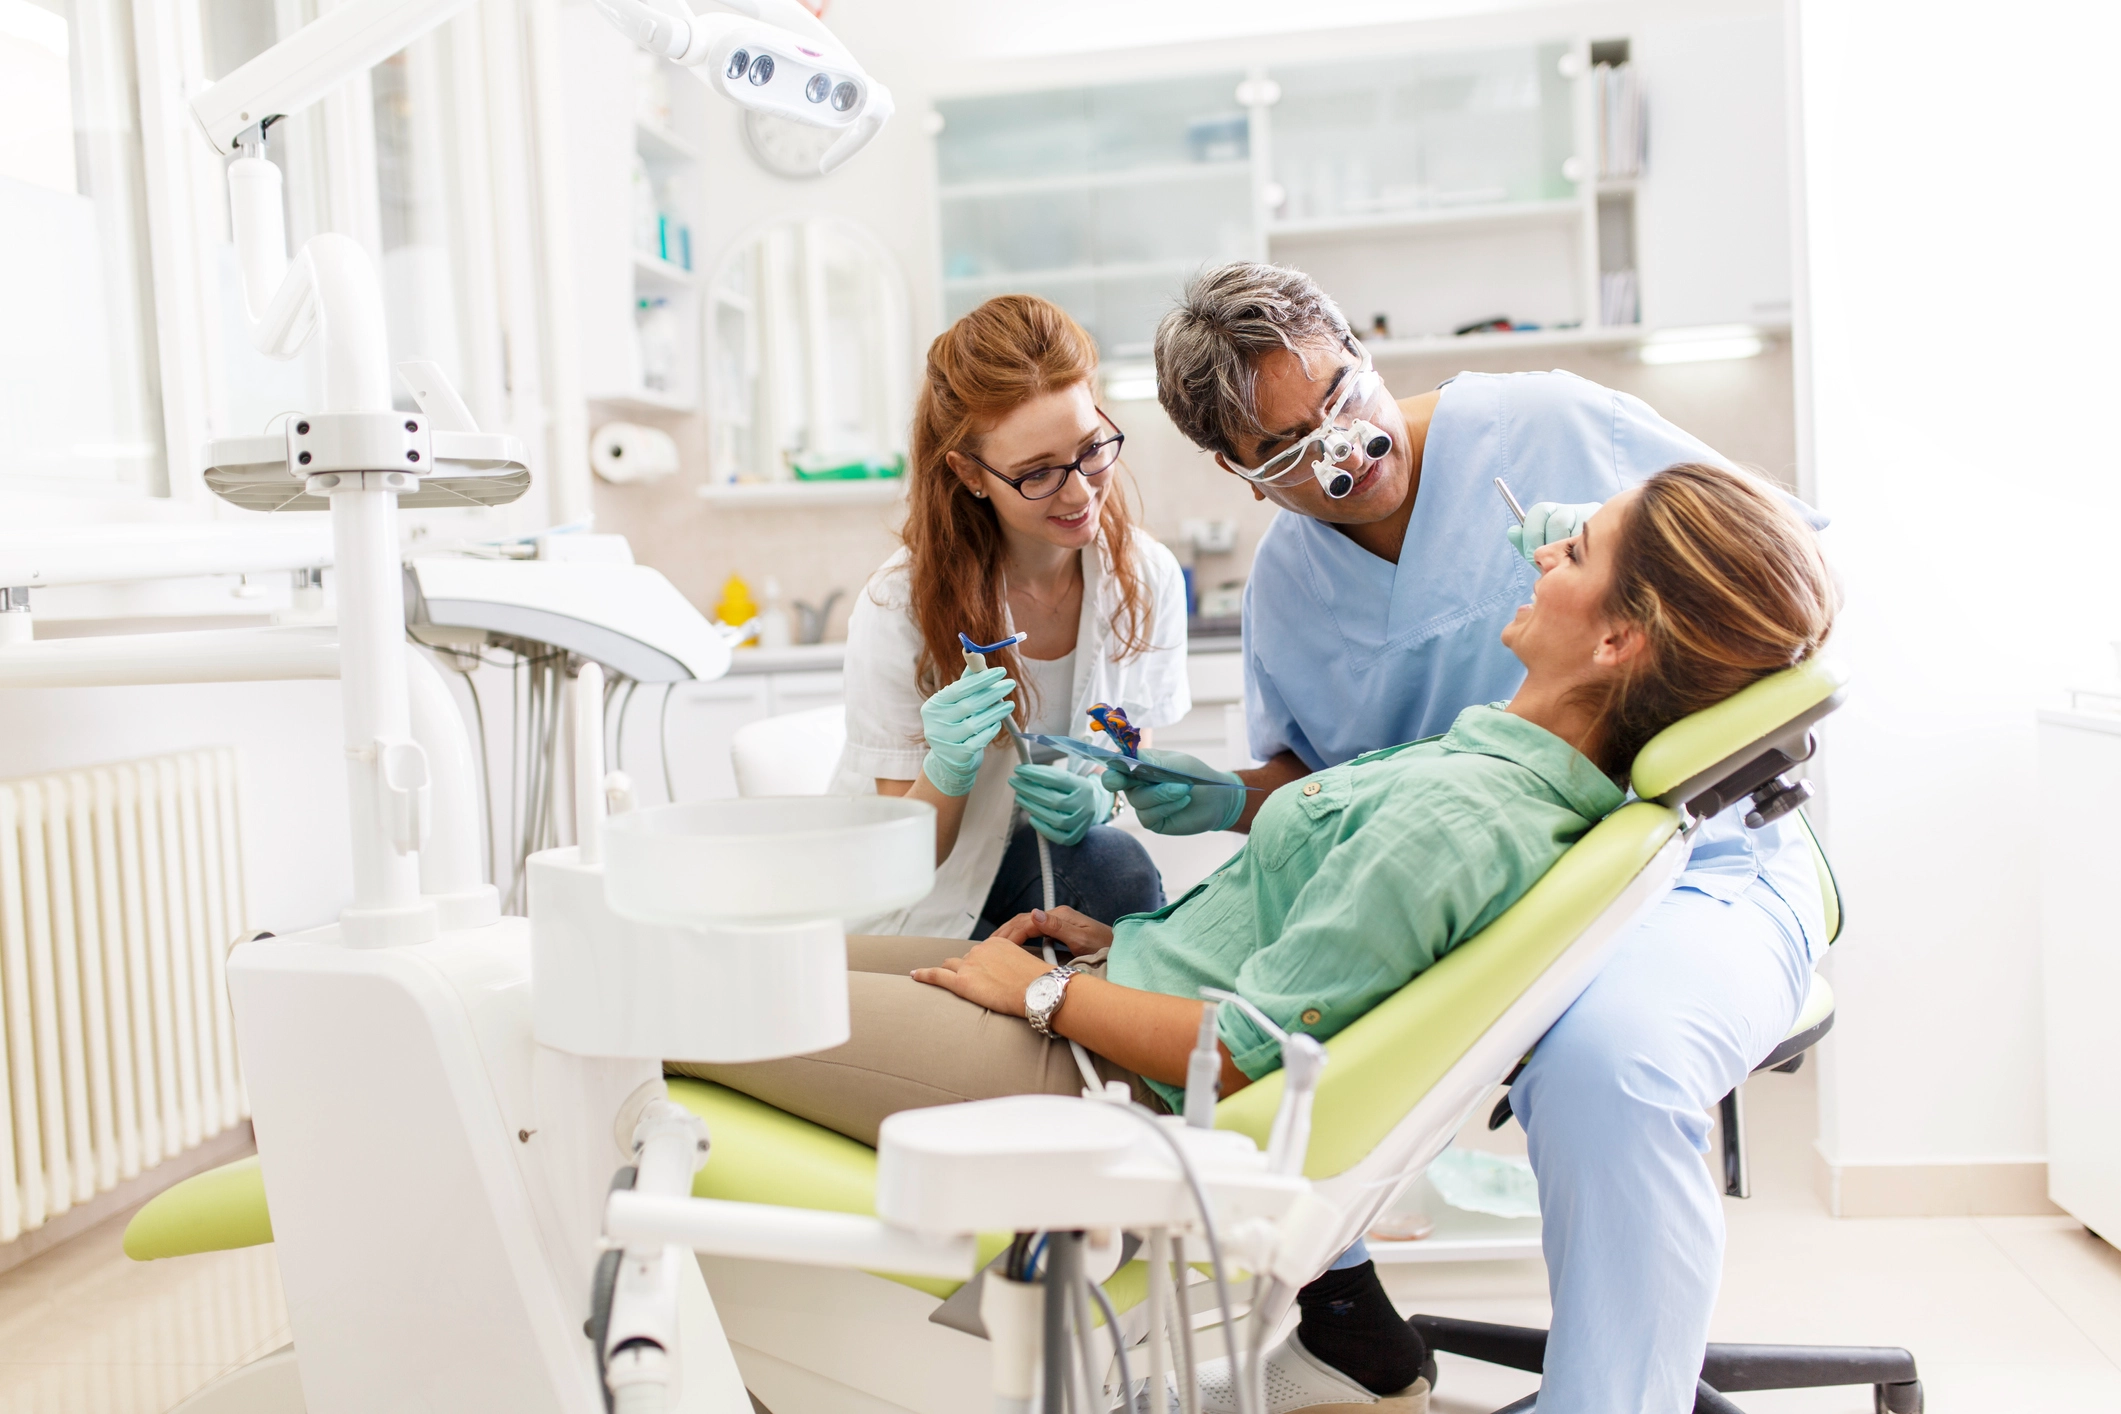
1560, 630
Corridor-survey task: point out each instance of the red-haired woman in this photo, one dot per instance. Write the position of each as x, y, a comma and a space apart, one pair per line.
1016, 523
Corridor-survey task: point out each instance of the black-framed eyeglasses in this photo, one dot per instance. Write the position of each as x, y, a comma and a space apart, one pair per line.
1043, 481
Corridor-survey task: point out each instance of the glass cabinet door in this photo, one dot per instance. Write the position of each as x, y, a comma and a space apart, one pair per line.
1416, 133
1102, 200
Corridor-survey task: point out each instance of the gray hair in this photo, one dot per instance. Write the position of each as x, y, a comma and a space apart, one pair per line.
1208, 348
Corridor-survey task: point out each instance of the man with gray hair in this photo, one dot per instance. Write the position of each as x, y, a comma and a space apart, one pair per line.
1373, 617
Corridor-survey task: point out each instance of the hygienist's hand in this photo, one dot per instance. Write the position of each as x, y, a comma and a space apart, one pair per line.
994, 974
1079, 933
1061, 805
1546, 522
1172, 808
959, 722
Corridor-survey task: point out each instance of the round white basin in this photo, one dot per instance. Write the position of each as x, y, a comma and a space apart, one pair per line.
770, 859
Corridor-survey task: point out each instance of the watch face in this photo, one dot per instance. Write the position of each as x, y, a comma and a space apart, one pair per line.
1039, 995
783, 146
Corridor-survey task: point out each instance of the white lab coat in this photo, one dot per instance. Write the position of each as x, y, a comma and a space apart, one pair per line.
884, 716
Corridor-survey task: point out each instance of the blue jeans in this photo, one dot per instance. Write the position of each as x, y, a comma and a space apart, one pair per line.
1107, 876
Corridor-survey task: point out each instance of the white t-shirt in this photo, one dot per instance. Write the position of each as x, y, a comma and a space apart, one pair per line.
884, 738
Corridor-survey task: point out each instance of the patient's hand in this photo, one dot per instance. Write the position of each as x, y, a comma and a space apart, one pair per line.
994, 974
1074, 931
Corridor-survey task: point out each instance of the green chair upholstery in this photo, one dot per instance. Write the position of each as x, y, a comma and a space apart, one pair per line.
1379, 1067
214, 1211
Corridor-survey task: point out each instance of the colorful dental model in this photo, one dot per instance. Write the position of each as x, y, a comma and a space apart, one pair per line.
1112, 721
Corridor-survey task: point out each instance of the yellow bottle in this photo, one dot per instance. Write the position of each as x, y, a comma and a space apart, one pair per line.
737, 607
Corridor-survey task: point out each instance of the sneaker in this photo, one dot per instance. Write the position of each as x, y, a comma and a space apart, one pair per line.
1298, 1380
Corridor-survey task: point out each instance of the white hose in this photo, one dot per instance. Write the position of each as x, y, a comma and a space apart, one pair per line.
978, 663
640, 1399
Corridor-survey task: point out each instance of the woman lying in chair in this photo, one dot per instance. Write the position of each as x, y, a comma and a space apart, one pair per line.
1675, 595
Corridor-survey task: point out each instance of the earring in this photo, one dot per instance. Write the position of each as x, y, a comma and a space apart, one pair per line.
981, 494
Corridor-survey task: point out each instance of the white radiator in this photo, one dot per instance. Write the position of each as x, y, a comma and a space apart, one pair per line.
121, 891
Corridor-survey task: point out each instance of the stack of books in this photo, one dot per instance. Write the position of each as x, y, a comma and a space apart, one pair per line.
1620, 133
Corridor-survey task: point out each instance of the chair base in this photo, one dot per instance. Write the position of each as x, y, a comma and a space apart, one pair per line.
1728, 1369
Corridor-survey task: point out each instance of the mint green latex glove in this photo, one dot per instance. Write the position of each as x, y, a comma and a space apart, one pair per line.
1061, 805
1173, 809
1546, 522
960, 722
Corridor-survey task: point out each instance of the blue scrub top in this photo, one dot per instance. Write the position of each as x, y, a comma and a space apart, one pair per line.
1347, 653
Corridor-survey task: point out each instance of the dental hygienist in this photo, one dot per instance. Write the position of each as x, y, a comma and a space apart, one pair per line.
1016, 524
1374, 616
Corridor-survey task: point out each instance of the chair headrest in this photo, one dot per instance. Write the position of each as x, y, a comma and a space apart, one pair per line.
1716, 752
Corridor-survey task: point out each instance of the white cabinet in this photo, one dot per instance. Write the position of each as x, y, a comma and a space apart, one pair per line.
2080, 936
1429, 192
1713, 212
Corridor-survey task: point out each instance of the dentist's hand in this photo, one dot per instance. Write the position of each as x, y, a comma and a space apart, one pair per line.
1546, 522
1077, 932
1171, 808
959, 723
1062, 806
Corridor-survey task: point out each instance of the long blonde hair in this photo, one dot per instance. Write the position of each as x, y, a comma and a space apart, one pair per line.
1009, 350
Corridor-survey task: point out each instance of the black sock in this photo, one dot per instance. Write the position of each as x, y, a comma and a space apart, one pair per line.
1348, 1323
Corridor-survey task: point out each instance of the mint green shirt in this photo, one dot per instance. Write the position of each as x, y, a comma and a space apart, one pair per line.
1358, 878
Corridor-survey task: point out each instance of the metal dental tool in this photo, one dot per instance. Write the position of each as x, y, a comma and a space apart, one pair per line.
1509, 500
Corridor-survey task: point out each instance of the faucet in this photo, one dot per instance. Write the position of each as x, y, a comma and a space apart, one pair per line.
814, 617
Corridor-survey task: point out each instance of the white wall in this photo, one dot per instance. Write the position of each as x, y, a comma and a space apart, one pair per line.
287, 736
1957, 210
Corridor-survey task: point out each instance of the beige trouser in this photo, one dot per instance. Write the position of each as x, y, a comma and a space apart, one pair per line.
910, 1045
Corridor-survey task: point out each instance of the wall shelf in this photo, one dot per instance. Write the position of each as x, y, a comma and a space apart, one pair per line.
877, 492
1159, 175
649, 399
1592, 336
1017, 279
664, 272
659, 144
1389, 223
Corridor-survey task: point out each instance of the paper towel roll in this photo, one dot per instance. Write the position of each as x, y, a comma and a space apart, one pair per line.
623, 452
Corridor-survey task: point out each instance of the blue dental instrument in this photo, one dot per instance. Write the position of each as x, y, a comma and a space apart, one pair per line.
981, 650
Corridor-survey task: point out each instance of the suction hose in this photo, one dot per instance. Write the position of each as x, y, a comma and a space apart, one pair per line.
978, 663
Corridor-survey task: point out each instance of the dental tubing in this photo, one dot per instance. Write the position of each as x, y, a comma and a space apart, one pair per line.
976, 661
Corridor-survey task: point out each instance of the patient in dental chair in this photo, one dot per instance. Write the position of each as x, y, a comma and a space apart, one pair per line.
1675, 595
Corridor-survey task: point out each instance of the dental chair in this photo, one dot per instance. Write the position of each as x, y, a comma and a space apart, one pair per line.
1399, 1084
792, 754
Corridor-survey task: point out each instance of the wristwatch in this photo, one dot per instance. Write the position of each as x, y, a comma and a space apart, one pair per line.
1043, 998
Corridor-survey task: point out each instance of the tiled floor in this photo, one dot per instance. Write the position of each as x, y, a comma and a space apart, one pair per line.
2003, 1314
85, 1330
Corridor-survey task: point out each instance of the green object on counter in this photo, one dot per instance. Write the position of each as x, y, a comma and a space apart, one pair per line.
868, 469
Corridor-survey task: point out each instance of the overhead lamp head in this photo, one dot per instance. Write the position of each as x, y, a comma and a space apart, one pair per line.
774, 57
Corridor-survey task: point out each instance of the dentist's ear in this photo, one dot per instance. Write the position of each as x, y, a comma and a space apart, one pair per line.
1224, 462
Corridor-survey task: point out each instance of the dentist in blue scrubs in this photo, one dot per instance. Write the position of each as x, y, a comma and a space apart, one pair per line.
1372, 617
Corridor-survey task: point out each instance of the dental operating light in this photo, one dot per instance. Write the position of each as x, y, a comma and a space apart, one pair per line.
772, 56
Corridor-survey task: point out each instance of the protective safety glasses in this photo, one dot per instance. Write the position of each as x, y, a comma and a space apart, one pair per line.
1340, 449
1043, 481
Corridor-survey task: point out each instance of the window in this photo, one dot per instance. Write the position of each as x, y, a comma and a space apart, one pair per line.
80, 402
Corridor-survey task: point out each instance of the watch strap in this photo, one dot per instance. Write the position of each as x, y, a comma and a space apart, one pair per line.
1041, 1018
